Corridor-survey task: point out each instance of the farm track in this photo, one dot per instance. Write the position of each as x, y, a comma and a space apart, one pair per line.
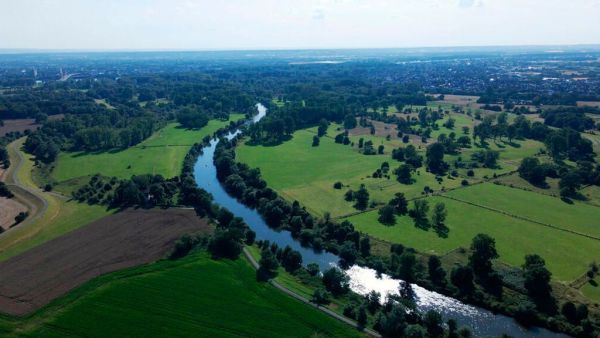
35, 202
291, 293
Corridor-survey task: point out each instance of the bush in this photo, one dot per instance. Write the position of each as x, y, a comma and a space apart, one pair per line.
338, 185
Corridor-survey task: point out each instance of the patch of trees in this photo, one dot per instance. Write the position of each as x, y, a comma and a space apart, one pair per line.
570, 117
487, 158
144, 191
192, 118
4, 159
4, 192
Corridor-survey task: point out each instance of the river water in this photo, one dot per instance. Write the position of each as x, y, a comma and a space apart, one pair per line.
362, 280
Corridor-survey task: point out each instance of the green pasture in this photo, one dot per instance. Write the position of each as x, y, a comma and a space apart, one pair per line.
162, 153
299, 171
579, 217
567, 255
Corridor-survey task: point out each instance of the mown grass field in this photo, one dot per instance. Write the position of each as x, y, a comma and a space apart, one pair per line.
567, 255
195, 296
579, 217
60, 217
161, 154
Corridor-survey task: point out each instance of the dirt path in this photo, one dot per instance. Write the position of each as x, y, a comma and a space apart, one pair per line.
126, 239
32, 198
291, 293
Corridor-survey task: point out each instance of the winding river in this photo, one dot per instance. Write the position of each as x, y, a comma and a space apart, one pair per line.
362, 280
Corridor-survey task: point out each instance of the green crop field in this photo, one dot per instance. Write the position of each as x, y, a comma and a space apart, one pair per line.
579, 217
162, 153
567, 255
195, 296
301, 172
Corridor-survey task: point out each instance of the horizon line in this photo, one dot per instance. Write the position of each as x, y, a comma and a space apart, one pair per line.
267, 49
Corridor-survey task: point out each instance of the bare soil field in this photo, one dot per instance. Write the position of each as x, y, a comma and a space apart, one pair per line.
588, 103
9, 208
462, 100
132, 237
23, 124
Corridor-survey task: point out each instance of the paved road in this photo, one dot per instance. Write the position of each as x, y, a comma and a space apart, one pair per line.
291, 293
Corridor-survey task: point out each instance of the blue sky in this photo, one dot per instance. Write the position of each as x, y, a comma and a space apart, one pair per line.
292, 24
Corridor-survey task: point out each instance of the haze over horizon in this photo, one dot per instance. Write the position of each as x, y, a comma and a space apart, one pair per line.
314, 24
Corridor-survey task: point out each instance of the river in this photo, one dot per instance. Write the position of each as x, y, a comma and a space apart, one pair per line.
362, 280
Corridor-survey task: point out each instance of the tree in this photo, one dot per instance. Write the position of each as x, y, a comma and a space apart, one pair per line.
320, 297
291, 260
192, 118
569, 183
322, 129
365, 246
399, 203
387, 215
315, 141
435, 158
349, 122
225, 244
436, 271
483, 249
361, 318
489, 158
438, 217
433, 323
419, 213
537, 283
268, 265
362, 198
462, 278
21, 216
570, 312
408, 267
313, 269
349, 196
373, 299
336, 281
403, 174
348, 253
531, 170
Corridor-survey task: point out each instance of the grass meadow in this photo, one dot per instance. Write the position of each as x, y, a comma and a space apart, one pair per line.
301, 172
162, 153
567, 255
579, 217
191, 297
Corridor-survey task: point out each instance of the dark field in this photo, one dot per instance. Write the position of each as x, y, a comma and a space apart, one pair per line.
130, 238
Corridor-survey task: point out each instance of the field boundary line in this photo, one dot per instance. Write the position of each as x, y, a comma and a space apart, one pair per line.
522, 218
293, 294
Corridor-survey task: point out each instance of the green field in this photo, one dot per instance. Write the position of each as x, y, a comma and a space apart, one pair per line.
592, 291
162, 153
61, 216
579, 217
301, 172
567, 255
192, 297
